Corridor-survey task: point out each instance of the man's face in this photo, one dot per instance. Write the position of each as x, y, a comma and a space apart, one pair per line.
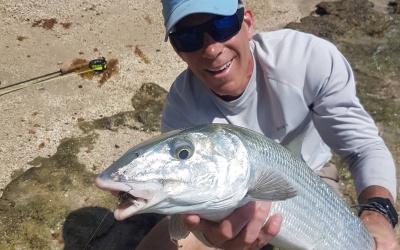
224, 67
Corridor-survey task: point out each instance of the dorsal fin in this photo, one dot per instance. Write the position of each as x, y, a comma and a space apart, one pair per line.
295, 145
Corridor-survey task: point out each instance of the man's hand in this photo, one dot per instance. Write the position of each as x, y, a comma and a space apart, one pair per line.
245, 228
380, 228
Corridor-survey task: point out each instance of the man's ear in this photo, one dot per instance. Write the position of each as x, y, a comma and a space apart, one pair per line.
249, 21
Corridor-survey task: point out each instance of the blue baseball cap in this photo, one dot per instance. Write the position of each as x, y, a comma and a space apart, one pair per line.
175, 10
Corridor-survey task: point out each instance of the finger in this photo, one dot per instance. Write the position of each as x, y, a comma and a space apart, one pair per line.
191, 221
253, 228
227, 229
235, 222
270, 229
248, 236
201, 228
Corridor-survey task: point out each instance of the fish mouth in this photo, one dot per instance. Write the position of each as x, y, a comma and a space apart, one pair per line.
127, 198
132, 197
128, 205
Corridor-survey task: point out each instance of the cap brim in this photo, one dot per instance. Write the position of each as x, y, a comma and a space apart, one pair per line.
216, 7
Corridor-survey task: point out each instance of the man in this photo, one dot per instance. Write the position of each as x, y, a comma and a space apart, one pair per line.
276, 83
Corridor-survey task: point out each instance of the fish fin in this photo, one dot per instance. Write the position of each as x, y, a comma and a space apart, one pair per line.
270, 186
176, 229
295, 145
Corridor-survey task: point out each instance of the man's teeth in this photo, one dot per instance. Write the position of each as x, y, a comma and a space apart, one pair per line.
222, 68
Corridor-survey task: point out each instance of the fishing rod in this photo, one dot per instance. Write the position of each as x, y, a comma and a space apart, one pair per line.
98, 65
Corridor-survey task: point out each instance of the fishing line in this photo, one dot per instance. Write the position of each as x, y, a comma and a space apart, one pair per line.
121, 199
101, 222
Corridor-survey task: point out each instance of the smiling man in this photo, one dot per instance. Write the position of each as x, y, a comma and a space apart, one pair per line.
225, 68
281, 84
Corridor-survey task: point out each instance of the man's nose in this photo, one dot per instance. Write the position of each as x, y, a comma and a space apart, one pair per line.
211, 48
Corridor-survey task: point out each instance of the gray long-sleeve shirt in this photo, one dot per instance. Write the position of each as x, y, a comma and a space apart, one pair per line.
299, 82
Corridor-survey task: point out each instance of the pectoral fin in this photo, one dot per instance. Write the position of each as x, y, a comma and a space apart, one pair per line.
271, 186
176, 229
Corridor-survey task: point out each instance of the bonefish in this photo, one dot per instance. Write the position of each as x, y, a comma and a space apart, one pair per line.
210, 170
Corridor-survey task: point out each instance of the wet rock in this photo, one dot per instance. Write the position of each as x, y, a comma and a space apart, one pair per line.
54, 205
148, 104
344, 19
370, 40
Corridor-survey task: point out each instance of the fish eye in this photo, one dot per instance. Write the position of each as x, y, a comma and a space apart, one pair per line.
182, 150
182, 153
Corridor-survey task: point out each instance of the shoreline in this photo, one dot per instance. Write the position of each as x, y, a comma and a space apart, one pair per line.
35, 119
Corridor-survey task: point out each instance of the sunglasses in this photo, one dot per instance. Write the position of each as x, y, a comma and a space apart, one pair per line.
220, 28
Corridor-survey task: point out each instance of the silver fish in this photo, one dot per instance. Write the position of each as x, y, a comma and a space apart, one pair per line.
213, 169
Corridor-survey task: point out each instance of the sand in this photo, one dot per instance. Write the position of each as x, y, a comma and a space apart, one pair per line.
40, 37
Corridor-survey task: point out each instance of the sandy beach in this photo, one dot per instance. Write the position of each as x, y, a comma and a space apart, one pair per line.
40, 37
35, 119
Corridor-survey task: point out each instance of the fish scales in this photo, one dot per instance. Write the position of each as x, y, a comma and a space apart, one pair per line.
235, 165
309, 211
